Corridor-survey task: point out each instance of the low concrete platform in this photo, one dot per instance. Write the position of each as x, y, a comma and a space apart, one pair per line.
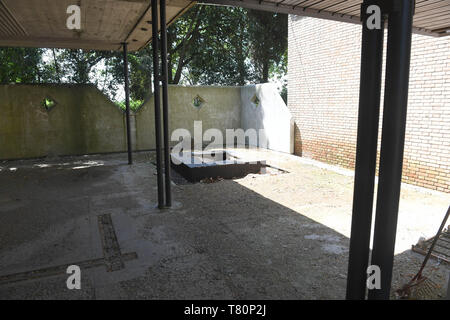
277, 235
196, 166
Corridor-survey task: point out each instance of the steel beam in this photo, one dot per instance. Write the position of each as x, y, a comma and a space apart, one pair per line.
127, 101
156, 79
165, 102
392, 142
366, 154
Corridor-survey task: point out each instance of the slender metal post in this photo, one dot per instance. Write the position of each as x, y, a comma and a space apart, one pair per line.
165, 101
392, 142
448, 288
156, 93
366, 154
127, 100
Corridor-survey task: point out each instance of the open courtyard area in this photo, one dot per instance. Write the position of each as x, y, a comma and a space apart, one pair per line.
283, 234
223, 154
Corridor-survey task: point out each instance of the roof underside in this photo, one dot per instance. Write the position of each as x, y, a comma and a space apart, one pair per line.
432, 17
105, 24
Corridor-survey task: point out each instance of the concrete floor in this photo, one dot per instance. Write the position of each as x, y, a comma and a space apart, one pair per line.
277, 236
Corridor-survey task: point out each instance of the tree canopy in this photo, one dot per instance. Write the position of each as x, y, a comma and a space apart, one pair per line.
20, 65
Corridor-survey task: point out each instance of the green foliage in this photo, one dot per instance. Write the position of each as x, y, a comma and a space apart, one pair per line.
134, 104
140, 70
268, 39
218, 53
20, 65
229, 46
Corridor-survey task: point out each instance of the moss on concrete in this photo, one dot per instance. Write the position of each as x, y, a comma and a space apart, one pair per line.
85, 121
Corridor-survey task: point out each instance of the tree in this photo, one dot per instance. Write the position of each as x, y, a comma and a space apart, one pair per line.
79, 63
223, 48
268, 37
182, 42
228, 46
20, 65
140, 66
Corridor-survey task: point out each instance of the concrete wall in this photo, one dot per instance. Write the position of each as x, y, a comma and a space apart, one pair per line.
269, 113
221, 109
85, 121
324, 65
82, 121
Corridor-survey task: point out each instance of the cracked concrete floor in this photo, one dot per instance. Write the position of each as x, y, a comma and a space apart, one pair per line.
281, 236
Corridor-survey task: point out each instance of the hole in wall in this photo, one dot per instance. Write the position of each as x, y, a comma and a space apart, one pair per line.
255, 100
48, 103
198, 102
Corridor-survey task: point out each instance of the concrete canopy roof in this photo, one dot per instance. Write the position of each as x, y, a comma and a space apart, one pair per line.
432, 17
105, 24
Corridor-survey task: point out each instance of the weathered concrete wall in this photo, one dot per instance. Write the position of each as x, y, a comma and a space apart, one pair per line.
220, 109
85, 121
263, 108
82, 121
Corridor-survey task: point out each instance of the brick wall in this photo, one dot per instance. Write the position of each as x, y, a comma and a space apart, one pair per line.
323, 71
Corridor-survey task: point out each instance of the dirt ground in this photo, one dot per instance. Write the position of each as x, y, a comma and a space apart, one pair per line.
271, 236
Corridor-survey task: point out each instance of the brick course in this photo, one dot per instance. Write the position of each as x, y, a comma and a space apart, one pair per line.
323, 94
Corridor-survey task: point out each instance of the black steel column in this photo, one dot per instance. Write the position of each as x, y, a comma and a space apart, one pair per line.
366, 154
127, 100
392, 142
156, 79
165, 101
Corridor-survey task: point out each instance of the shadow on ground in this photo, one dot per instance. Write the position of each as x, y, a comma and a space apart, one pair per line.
220, 241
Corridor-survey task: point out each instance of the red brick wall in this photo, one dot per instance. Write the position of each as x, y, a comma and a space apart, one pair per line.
323, 93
